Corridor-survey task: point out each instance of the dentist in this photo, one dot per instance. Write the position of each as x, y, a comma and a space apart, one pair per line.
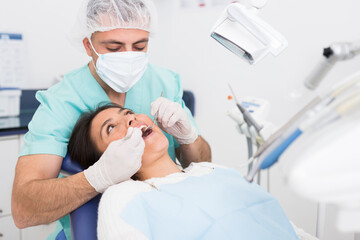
115, 34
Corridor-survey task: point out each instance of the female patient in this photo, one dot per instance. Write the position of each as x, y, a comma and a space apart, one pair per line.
203, 201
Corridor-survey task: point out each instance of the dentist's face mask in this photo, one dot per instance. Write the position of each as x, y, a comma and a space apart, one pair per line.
121, 70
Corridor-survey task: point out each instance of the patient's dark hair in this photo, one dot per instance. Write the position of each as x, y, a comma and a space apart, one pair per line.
80, 147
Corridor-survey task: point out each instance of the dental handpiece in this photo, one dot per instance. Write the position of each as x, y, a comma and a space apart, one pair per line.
250, 121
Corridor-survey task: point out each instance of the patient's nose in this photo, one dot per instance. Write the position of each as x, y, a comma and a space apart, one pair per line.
131, 121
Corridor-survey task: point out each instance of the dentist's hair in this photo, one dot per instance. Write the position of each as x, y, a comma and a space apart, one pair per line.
81, 147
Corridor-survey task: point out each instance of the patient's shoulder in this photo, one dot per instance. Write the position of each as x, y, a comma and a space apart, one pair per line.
124, 192
115, 199
112, 203
127, 188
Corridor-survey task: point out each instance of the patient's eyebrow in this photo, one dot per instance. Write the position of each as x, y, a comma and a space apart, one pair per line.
127, 110
103, 125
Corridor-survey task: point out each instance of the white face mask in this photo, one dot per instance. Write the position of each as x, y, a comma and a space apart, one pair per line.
121, 70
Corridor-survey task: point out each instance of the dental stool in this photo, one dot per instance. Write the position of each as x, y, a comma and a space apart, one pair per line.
83, 220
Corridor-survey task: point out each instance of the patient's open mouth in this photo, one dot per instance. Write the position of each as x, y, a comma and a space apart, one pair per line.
146, 131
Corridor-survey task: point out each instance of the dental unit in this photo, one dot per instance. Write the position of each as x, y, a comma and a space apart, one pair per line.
317, 114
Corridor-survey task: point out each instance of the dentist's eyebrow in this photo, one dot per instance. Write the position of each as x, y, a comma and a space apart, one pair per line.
103, 125
141, 41
112, 42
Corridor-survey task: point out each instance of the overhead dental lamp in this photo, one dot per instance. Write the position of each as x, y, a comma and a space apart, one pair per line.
335, 52
244, 33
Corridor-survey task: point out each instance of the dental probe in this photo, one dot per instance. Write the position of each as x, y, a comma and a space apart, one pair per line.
157, 112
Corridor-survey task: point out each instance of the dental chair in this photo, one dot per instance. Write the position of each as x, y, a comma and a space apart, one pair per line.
83, 220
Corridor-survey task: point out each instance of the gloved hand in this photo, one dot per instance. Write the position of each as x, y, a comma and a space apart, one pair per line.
120, 161
172, 118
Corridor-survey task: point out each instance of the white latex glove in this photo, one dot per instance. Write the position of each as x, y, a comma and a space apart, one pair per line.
172, 118
120, 161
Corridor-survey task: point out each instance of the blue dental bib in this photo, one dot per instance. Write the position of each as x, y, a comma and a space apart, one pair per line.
218, 205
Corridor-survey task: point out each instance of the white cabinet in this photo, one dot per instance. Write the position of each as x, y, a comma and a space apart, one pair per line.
8, 230
9, 149
37, 232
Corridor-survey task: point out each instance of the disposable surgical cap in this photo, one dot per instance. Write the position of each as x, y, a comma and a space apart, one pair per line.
106, 15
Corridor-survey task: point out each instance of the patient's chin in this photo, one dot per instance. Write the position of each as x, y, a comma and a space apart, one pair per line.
154, 151
156, 146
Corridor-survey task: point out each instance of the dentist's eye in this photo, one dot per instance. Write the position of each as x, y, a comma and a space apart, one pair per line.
109, 128
139, 49
113, 49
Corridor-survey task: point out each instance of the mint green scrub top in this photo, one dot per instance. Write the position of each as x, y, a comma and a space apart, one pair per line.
62, 104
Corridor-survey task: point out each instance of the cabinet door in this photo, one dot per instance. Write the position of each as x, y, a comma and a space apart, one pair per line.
8, 230
9, 149
37, 232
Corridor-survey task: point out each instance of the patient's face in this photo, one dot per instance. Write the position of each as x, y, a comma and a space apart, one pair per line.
112, 124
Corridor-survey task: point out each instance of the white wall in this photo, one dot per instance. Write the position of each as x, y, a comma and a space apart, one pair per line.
45, 25
183, 44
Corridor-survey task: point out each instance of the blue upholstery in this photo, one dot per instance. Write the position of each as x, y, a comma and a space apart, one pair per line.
189, 100
84, 219
61, 236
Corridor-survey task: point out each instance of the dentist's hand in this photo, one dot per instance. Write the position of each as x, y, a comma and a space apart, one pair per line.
120, 161
172, 118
